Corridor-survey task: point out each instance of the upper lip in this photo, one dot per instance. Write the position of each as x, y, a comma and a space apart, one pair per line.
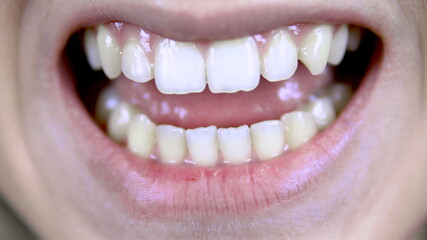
215, 20
153, 190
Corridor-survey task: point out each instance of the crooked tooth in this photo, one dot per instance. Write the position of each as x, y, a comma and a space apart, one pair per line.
171, 144
233, 66
141, 135
299, 128
340, 95
339, 45
268, 139
179, 68
355, 36
235, 144
118, 121
203, 145
91, 50
281, 59
322, 110
109, 52
314, 49
107, 101
135, 64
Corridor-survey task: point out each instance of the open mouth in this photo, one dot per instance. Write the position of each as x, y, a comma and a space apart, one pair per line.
211, 126
215, 103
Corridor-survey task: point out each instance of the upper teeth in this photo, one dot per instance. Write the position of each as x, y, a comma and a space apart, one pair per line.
180, 68
314, 49
281, 59
226, 66
339, 45
109, 52
354, 38
135, 64
233, 65
91, 50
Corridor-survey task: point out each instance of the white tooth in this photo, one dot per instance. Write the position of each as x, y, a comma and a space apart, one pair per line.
235, 144
322, 110
135, 64
107, 101
203, 146
354, 39
338, 45
281, 59
299, 128
179, 68
109, 52
233, 66
171, 143
340, 95
268, 139
314, 49
118, 122
141, 135
91, 50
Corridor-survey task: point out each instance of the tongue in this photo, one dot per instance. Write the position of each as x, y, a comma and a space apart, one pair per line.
268, 101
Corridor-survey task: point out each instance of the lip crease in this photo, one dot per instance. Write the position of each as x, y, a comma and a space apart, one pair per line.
146, 189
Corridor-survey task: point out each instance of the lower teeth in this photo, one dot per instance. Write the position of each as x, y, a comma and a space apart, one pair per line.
209, 146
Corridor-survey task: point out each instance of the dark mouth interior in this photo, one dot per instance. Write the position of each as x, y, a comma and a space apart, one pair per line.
89, 83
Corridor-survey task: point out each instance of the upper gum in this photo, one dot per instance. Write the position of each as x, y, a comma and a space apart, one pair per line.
121, 32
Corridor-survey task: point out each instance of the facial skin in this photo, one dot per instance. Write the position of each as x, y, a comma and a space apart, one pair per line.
376, 191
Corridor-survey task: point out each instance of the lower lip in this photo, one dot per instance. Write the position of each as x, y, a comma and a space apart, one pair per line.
146, 188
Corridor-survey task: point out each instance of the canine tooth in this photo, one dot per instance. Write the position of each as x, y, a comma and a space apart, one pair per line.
314, 49
135, 64
233, 66
171, 143
109, 53
338, 45
91, 50
281, 59
322, 110
141, 135
268, 139
107, 101
340, 95
203, 145
235, 144
355, 36
179, 68
299, 128
118, 122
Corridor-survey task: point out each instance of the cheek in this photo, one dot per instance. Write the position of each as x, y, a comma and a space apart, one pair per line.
14, 163
396, 142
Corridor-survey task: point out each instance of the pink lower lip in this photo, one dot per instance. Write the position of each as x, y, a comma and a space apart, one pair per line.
147, 189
